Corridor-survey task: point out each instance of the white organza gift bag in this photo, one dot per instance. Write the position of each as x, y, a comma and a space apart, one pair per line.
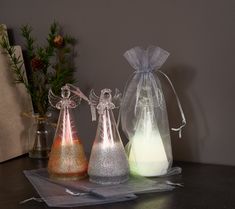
143, 114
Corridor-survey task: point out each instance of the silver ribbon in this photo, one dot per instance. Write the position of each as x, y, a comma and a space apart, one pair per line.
174, 184
32, 198
75, 193
93, 113
77, 91
179, 129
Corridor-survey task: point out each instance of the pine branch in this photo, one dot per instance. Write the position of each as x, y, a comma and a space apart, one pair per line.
54, 30
16, 63
69, 40
26, 31
50, 65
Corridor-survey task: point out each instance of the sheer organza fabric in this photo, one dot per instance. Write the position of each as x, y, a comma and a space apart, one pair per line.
143, 114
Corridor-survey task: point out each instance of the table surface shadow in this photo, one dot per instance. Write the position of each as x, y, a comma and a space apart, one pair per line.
205, 187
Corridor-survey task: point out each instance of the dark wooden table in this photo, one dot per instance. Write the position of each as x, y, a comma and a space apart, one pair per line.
206, 187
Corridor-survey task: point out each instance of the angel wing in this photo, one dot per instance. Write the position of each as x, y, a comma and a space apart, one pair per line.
74, 100
117, 98
54, 100
93, 101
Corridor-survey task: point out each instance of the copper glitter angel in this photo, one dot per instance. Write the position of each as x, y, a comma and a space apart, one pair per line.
108, 162
67, 158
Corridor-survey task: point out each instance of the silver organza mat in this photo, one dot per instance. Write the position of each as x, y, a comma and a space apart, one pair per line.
79, 193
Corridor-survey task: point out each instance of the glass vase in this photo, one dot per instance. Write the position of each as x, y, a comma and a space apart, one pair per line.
40, 137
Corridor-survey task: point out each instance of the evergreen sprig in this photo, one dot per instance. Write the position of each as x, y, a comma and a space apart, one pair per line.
16, 62
51, 65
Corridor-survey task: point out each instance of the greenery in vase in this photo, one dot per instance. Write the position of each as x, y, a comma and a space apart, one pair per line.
50, 66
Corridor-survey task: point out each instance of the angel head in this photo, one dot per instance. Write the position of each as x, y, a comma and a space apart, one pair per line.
104, 101
71, 96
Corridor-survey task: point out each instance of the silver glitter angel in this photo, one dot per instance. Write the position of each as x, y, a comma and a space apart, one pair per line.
108, 161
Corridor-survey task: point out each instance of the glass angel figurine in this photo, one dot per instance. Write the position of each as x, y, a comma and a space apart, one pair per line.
144, 116
108, 161
67, 158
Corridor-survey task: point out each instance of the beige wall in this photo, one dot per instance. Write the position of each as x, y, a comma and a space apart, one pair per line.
199, 34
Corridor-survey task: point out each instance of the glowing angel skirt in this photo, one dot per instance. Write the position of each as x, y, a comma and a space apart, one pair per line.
67, 161
67, 158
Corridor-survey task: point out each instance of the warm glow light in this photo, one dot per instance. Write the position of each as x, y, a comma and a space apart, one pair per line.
106, 131
147, 156
67, 137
